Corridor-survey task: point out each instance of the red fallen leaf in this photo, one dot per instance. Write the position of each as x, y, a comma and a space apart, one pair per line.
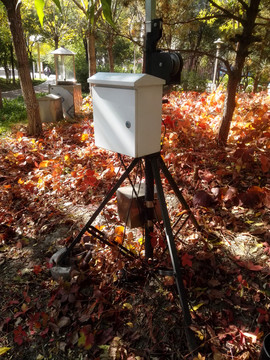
202, 198
49, 265
37, 269
202, 125
86, 339
13, 302
253, 197
265, 162
266, 200
168, 121
157, 241
264, 316
206, 175
52, 299
19, 335
244, 154
26, 297
262, 311
230, 194
89, 172
249, 265
239, 278
34, 322
186, 260
154, 240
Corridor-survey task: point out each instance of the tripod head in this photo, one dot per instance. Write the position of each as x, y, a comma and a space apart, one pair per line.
165, 65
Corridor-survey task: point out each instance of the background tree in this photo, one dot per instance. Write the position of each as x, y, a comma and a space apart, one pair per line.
257, 65
182, 32
121, 44
31, 103
93, 10
58, 25
6, 48
244, 14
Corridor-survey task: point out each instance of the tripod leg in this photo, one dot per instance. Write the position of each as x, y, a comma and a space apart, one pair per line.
102, 205
149, 208
177, 191
174, 258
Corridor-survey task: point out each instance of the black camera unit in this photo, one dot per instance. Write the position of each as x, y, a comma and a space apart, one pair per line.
165, 65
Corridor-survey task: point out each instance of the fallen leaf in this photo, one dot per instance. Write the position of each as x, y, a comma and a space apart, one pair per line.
3, 350
186, 260
63, 322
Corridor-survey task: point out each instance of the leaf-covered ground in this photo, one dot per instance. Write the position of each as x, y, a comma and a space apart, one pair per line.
118, 307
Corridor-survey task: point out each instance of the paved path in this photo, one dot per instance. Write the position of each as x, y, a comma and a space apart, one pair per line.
42, 88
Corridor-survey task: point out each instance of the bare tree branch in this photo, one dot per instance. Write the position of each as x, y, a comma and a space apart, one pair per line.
245, 6
261, 24
80, 6
209, 17
227, 13
264, 18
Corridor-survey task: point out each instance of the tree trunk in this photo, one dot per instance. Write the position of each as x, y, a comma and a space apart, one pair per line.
92, 65
256, 83
85, 48
56, 41
1, 102
110, 54
6, 68
194, 58
245, 39
12, 64
228, 110
31, 103
92, 54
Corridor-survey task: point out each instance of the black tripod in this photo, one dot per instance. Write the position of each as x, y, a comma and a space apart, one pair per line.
154, 163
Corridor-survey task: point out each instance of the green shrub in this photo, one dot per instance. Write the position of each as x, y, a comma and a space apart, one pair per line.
13, 112
192, 81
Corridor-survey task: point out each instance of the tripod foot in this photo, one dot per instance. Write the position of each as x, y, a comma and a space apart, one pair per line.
58, 262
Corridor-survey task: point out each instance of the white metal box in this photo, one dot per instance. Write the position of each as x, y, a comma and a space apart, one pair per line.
127, 112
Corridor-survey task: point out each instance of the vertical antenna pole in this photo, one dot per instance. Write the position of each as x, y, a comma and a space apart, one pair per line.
150, 13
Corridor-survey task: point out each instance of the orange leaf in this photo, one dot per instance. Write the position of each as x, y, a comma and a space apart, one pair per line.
119, 230
19, 135
84, 137
45, 163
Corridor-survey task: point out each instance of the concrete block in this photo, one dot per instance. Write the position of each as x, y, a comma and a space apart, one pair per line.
50, 108
131, 209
